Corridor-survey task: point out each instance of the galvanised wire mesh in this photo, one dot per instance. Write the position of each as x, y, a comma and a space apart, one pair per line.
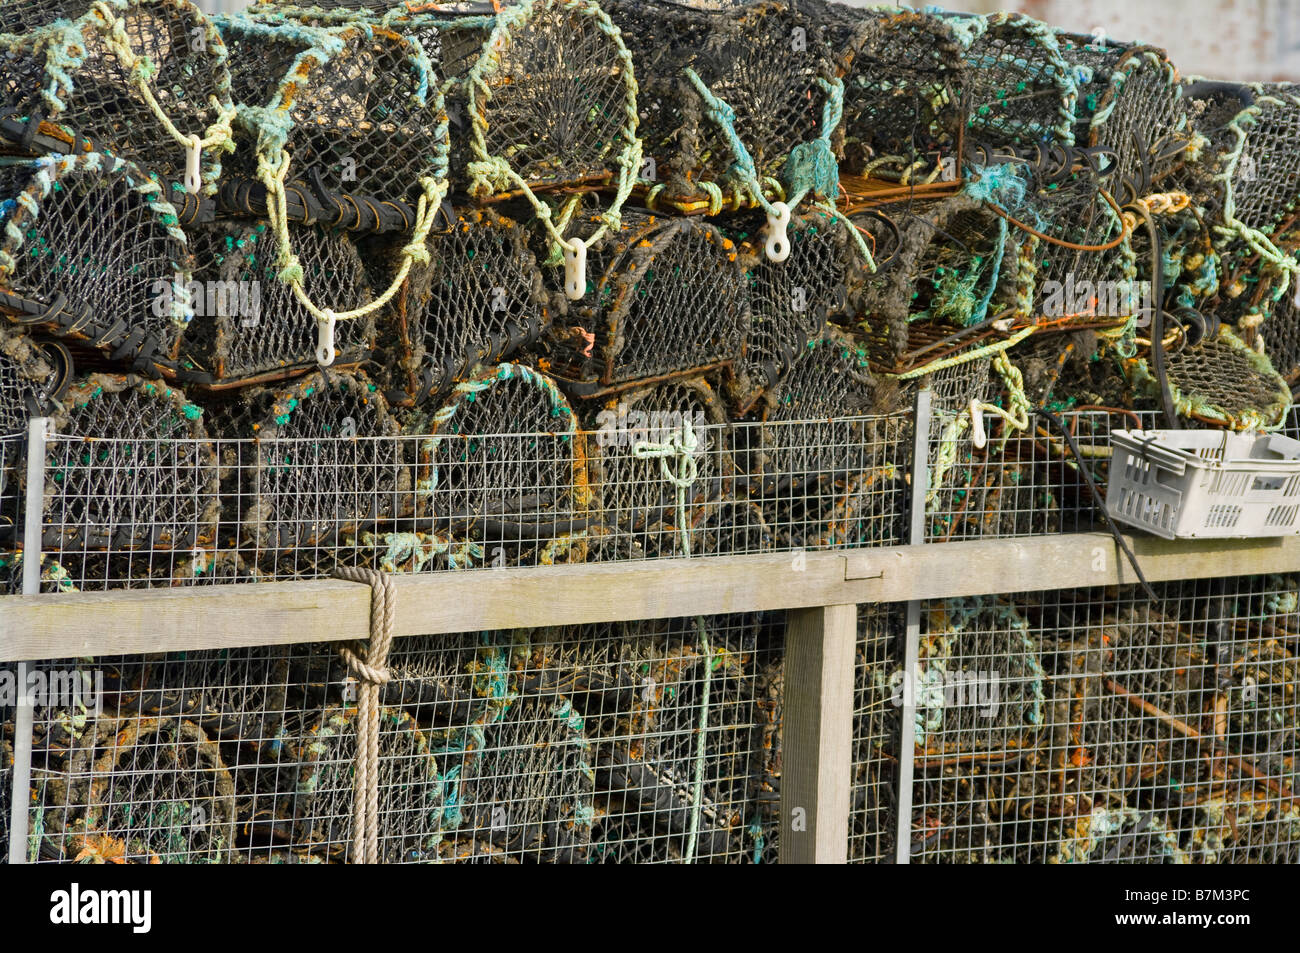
646, 742
510, 476
873, 804
1096, 726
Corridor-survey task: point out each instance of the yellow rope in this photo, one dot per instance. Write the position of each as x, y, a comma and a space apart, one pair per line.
967, 357
219, 134
273, 176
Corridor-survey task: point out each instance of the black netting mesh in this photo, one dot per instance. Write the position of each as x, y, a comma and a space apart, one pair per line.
248, 325
1019, 89
1143, 117
545, 87
955, 267
60, 66
1282, 339
791, 301
668, 296
479, 299
767, 61
92, 252
903, 77
355, 106
308, 487
1220, 381
1265, 183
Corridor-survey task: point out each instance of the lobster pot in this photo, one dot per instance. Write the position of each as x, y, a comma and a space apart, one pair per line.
671, 299
1281, 337
542, 95
77, 73
479, 299
28, 378
1263, 179
986, 636
767, 62
138, 790
354, 108
527, 787
1218, 381
249, 326
326, 466
1019, 88
1119, 665
903, 76
319, 811
92, 253
651, 743
955, 267
790, 301
1245, 826
1077, 265
648, 441
1143, 116
131, 478
505, 464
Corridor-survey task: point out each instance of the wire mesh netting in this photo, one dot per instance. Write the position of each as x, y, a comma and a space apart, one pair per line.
248, 326
138, 77
767, 65
649, 742
92, 252
668, 297
479, 299
1094, 726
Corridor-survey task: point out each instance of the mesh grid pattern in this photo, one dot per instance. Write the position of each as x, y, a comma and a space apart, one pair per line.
480, 298
91, 252
64, 70
671, 298
353, 104
569, 745
250, 326
764, 60
903, 82
1167, 734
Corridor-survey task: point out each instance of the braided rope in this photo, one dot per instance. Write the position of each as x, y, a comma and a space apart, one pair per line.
370, 665
219, 135
489, 173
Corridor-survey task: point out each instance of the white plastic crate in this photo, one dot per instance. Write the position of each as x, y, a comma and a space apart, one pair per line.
1205, 483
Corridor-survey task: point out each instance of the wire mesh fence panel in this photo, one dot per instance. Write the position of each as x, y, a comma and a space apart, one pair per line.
873, 803
1097, 726
298, 481
653, 741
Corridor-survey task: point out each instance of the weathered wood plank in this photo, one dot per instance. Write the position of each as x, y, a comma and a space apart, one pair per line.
152, 620
817, 735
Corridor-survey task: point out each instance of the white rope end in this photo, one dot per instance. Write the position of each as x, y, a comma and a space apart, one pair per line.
193, 158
